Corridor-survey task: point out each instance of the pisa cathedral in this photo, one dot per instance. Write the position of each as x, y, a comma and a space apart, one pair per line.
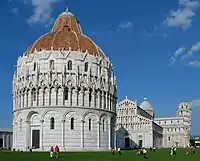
137, 126
64, 93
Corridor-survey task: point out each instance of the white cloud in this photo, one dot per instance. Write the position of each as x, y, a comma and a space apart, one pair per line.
189, 4
182, 17
195, 48
175, 56
42, 11
126, 25
194, 63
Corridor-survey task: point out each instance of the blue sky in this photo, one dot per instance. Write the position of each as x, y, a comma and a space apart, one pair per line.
154, 47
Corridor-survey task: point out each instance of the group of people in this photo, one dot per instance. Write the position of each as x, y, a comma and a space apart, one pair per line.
143, 152
116, 150
191, 150
173, 150
54, 151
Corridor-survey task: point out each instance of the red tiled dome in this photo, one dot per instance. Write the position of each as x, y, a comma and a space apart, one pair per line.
66, 34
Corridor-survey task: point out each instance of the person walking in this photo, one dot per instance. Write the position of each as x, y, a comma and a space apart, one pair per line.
144, 153
51, 152
57, 151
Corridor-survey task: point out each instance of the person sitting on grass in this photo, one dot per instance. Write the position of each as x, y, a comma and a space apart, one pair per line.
191, 151
51, 152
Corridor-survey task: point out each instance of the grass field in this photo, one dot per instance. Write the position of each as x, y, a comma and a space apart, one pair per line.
159, 155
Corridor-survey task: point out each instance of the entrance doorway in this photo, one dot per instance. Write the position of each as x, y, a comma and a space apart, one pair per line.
140, 143
127, 142
1, 142
35, 139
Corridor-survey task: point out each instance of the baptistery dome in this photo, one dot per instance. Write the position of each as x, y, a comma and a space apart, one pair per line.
66, 34
64, 92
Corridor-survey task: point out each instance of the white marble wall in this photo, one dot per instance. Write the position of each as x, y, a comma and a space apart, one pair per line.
99, 137
39, 93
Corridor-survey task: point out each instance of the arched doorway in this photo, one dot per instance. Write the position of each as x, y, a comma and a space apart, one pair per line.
1, 142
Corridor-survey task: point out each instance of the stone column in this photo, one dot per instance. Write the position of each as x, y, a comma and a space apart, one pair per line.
25, 99
93, 99
13, 140
82, 97
111, 103
108, 101
109, 133
41, 134
70, 96
19, 97
3, 140
8, 140
105, 99
22, 100
15, 135
87, 102
63, 134
98, 134
115, 138
76, 96
27, 134
99, 100
102, 100
82, 133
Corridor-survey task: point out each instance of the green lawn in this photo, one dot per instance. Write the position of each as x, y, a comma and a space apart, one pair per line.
159, 155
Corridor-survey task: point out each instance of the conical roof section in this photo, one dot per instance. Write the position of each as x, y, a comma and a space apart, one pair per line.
66, 35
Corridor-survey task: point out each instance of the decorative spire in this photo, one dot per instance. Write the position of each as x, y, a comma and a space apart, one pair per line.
67, 9
145, 98
126, 97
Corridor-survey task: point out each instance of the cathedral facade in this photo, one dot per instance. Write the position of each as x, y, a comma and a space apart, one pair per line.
138, 127
64, 92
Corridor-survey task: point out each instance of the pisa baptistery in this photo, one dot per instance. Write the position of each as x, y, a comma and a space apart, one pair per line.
64, 92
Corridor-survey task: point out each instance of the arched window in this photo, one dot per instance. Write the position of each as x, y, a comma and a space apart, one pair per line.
90, 121
51, 64
72, 123
86, 66
103, 122
69, 65
34, 66
52, 123
33, 94
66, 93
